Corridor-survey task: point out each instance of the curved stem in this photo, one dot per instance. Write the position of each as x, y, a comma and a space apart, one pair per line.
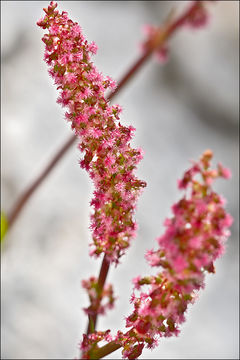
25, 196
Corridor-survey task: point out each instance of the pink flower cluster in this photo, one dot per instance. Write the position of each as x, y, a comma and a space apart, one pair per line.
104, 141
100, 299
193, 240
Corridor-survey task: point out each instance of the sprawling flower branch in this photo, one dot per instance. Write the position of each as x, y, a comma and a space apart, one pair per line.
194, 238
105, 142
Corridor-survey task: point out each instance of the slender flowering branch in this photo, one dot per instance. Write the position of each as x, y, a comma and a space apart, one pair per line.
194, 238
196, 20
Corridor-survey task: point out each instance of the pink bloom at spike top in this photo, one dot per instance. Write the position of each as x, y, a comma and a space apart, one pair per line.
105, 142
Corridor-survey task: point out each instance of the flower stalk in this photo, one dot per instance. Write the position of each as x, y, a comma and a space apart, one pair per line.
92, 317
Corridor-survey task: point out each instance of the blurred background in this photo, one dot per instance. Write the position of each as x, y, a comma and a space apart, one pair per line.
179, 110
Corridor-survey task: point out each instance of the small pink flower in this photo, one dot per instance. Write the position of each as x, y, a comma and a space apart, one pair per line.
162, 54
136, 282
76, 30
112, 84
53, 30
95, 133
148, 29
92, 47
109, 160
224, 172
179, 264
226, 221
152, 257
70, 78
195, 242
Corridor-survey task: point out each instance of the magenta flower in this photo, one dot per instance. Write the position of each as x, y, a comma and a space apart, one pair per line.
105, 142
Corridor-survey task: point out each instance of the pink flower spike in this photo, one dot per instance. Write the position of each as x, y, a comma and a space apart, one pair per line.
104, 142
194, 238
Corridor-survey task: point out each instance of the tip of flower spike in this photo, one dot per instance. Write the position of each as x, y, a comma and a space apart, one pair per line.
53, 4
203, 167
50, 8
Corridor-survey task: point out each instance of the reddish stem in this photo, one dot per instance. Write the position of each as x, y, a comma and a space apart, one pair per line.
101, 282
24, 197
181, 20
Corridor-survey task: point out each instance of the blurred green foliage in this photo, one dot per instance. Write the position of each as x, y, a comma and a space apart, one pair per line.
4, 225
